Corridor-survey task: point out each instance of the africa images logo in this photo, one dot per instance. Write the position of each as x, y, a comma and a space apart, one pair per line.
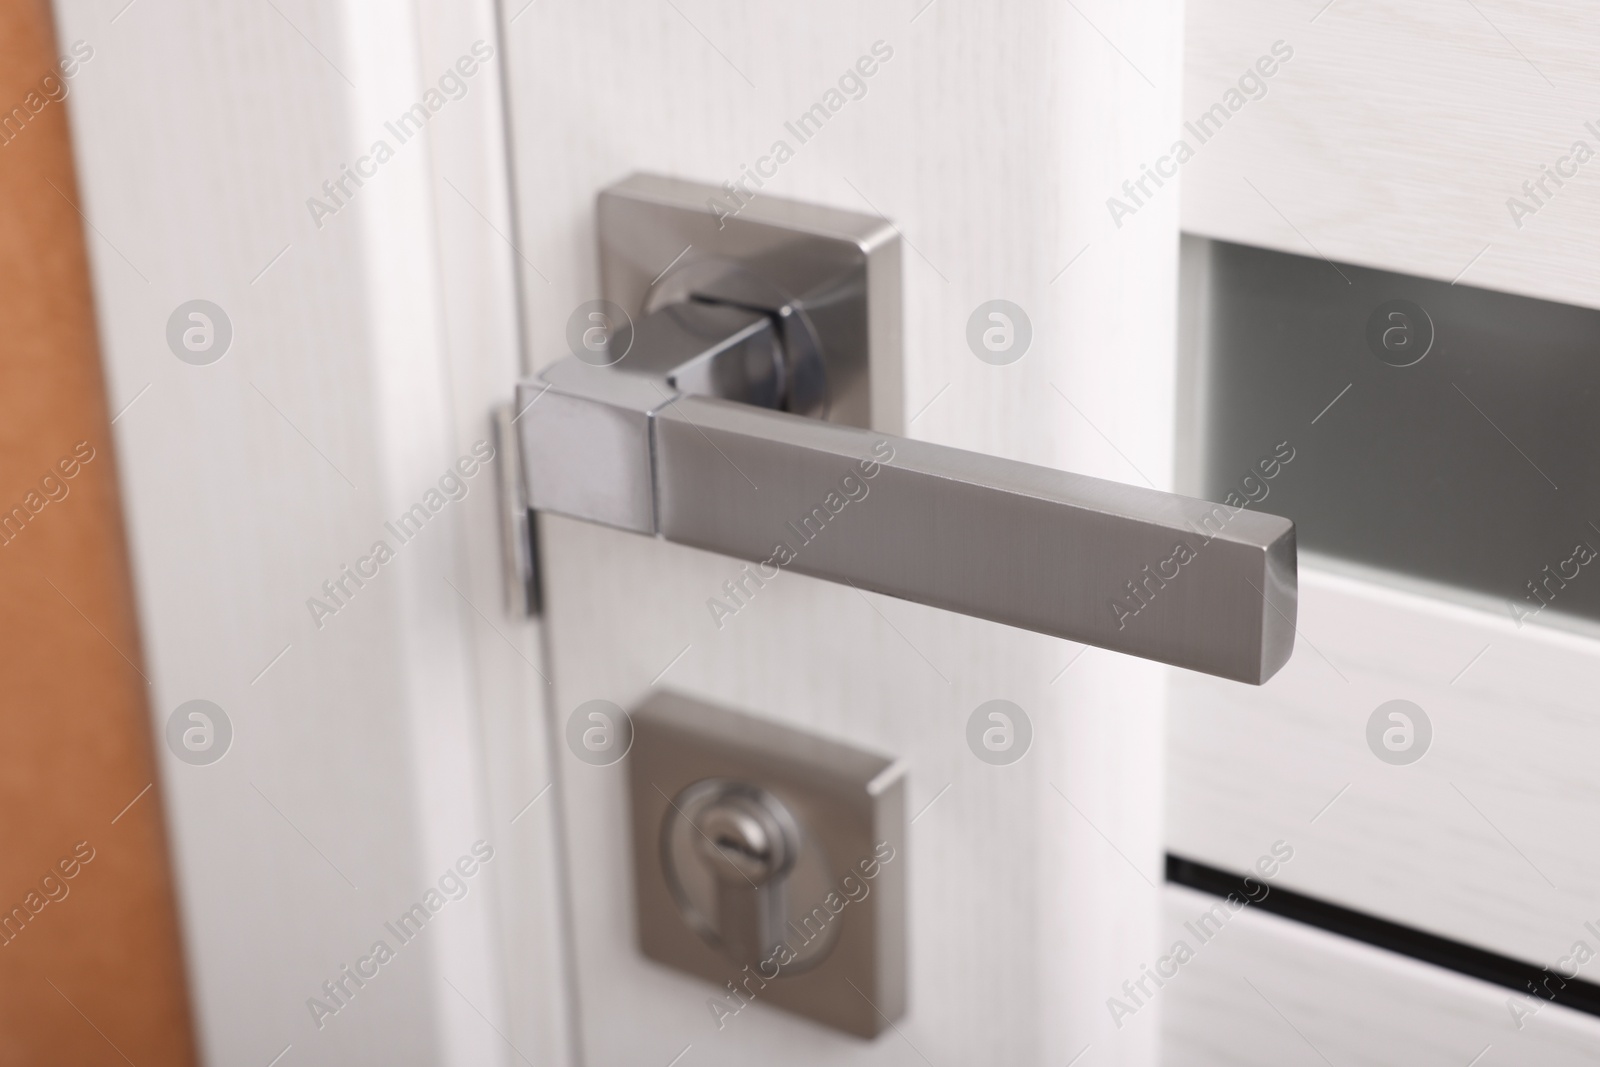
340, 991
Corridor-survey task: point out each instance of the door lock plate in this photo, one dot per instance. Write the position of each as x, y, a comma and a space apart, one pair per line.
770, 862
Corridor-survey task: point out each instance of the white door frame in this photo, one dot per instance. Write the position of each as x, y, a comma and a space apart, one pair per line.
369, 346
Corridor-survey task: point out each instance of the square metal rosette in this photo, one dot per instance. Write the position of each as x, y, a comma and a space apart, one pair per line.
770, 862
830, 277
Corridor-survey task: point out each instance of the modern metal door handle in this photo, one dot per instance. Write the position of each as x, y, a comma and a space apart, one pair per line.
641, 447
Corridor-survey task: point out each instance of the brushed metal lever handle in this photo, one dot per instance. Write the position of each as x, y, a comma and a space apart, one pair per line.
795, 306
1152, 574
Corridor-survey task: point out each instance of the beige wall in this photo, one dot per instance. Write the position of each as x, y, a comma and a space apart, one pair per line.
95, 975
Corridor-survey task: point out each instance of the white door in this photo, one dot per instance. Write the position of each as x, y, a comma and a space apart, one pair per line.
381, 301
988, 138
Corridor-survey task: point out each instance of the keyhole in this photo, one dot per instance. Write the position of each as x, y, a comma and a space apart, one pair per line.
741, 842
730, 843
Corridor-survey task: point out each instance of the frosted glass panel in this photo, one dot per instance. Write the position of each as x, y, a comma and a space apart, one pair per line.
1435, 429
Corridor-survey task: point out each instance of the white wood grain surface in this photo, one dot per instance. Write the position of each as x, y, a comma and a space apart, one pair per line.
1266, 992
1486, 839
991, 140
1397, 133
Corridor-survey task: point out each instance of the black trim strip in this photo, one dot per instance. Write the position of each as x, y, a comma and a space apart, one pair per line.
1528, 978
